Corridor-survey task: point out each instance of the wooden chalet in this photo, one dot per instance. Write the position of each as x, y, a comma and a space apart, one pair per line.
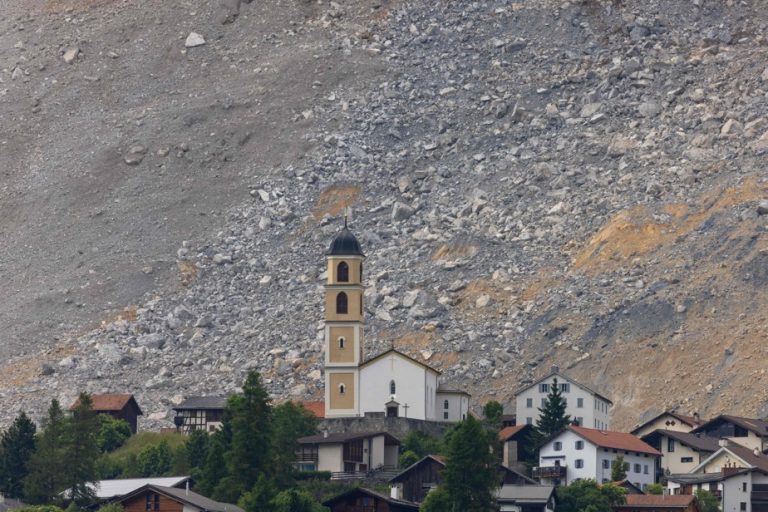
156, 498
122, 407
366, 500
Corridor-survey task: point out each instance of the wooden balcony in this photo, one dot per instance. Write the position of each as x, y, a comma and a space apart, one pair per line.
549, 472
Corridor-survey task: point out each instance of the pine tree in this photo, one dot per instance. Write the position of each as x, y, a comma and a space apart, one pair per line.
82, 451
215, 468
197, 449
552, 417
47, 473
289, 422
619, 469
16, 447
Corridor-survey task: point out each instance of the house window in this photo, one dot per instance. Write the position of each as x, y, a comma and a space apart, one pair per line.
579, 445
529, 403
342, 389
342, 272
157, 502
392, 387
580, 403
638, 469
341, 342
149, 501
361, 271
579, 421
670, 444
579, 463
565, 387
744, 486
529, 421
743, 506
544, 388
558, 446
686, 459
342, 303
645, 469
606, 464
445, 404
445, 415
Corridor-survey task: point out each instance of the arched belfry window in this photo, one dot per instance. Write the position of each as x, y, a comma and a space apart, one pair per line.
342, 389
342, 303
341, 342
342, 272
392, 387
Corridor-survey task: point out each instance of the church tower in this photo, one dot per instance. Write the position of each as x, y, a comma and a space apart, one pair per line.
343, 325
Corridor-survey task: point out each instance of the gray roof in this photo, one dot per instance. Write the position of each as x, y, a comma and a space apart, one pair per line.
106, 489
202, 402
695, 478
186, 497
450, 388
383, 497
700, 443
757, 426
570, 380
525, 493
343, 437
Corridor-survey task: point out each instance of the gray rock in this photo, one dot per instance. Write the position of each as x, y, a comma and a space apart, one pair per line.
193, 40
762, 207
401, 212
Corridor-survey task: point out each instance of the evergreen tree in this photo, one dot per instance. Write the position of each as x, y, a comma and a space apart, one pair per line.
290, 421
619, 469
260, 497
197, 449
82, 451
552, 418
215, 468
47, 473
470, 475
493, 412
16, 447
294, 500
249, 453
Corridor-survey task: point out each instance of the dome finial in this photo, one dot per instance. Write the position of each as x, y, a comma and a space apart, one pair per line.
346, 216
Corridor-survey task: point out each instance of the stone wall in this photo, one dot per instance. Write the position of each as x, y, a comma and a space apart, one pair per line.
378, 422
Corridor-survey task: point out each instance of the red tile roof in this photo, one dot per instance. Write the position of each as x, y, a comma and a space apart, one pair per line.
316, 408
508, 432
106, 403
614, 440
658, 500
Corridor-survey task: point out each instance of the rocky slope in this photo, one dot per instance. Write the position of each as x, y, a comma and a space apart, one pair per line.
533, 182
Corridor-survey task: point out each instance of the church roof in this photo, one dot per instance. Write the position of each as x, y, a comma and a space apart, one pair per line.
394, 350
345, 244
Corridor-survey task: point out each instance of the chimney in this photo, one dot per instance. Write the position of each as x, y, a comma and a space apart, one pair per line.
756, 451
696, 417
555, 368
396, 492
722, 442
729, 469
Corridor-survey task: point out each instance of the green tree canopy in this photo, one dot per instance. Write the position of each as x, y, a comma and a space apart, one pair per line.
290, 421
82, 451
16, 447
421, 444
707, 501
493, 412
294, 500
619, 469
587, 495
113, 432
197, 448
47, 475
552, 417
656, 489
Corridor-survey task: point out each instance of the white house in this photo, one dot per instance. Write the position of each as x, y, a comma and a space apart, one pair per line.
668, 420
586, 453
681, 451
351, 452
585, 406
392, 382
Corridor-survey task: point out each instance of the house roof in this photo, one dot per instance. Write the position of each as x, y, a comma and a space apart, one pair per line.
202, 402
106, 489
405, 356
427, 458
525, 494
315, 407
657, 501
629, 486
700, 443
746, 455
613, 440
757, 426
507, 469
344, 437
369, 492
568, 379
184, 496
451, 388
691, 421
110, 403
508, 432
695, 478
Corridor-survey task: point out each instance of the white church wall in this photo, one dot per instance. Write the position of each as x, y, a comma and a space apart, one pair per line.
410, 386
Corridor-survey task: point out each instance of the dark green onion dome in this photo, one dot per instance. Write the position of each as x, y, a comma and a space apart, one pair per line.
345, 244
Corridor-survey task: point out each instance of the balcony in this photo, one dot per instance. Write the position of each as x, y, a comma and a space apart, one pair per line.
549, 472
759, 496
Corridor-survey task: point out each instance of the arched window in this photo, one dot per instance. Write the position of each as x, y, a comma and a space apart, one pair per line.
341, 303
341, 342
392, 387
342, 272
445, 404
342, 389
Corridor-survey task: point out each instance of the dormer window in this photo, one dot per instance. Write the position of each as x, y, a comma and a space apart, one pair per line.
342, 272
342, 304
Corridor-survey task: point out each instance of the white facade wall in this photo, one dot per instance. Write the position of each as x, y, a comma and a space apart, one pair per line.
412, 382
664, 422
391, 455
592, 458
377, 452
594, 412
330, 458
674, 461
458, 406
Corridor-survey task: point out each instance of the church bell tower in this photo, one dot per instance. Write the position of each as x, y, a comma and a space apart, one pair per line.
343, 325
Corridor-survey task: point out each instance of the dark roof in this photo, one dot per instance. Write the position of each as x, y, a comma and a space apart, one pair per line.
697, 442
202, 402
406, 356
345, 244
759, 427
450, 388
613, 440
184, 496
343, 437
369, 492
110, 403
427, 458
528, 480
756, 460
691, 421
570, 380
525, 494
507, 432
695, 478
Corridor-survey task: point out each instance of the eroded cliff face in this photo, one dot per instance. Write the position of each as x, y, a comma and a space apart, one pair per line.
534, 183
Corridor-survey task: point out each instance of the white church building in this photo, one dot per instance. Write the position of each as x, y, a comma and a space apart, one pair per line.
392, 382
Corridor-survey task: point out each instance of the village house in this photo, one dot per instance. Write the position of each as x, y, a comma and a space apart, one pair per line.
657, 503
122, 407
200, 413
347, 453
367, 500
668, 420
526, 498
105, 490
748, 432
586, 407
681, 451
156, 498
514, 441
585, 453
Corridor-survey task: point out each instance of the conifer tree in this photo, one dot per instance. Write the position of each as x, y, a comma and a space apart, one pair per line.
552, 417
47, 475
289, 422
82, 451
197, 449
16, 447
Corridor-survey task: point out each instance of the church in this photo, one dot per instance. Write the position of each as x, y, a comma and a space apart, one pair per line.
391, 383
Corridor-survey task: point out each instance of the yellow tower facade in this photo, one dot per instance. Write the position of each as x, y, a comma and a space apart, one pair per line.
343, 325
